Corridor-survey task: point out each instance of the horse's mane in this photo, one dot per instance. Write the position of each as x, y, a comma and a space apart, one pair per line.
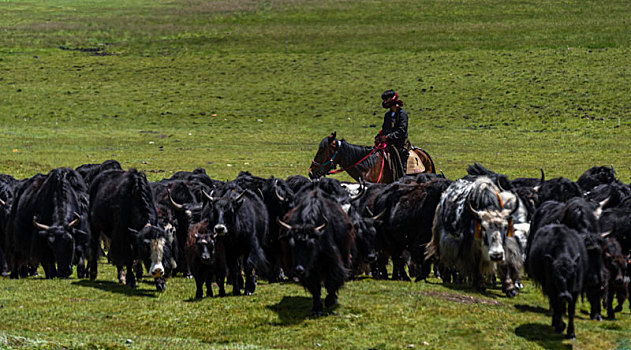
355, 153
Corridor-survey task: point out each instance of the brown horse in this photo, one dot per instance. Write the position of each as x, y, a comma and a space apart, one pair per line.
369, 163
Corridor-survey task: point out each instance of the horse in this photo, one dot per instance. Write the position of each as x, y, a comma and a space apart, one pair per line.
360, 162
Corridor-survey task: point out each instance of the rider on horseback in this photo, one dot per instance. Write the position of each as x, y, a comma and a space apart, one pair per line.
394, 131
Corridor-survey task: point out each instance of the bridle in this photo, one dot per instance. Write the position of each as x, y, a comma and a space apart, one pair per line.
330, 161
381, 147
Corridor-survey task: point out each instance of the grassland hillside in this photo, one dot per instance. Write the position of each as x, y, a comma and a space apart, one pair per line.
231, 85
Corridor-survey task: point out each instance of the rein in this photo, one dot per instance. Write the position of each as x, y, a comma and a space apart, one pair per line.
380, 147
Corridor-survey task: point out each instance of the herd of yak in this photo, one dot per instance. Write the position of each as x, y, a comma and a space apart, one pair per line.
571, 238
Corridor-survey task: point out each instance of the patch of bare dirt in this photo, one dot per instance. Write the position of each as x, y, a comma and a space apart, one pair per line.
459, 298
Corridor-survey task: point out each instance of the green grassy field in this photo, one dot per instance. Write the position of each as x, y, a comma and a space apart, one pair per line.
38, 313
164, 86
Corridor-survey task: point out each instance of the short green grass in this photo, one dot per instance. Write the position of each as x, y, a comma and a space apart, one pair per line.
235, 85
103, 314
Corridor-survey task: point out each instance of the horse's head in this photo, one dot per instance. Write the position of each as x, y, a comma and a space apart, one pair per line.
324, 160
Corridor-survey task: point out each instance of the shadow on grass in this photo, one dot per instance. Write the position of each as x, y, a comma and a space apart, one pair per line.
459, 287
115, 287
192, 299
542, 335
580, 315
150, 282
492, 292
530, 308
195, 300
293, 310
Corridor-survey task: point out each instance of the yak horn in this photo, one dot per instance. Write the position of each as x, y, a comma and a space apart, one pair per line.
239, 196
283, 224
209, 196
598, 212
362, 190
76, 221
323, 226
278, 196
38, 225
173, 203
475, 212
499, 186
379, 216
3, 202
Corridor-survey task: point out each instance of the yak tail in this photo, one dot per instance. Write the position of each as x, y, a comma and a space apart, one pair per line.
257, 259
431, 248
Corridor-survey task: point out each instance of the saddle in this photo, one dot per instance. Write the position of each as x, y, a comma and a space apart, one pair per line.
414, 164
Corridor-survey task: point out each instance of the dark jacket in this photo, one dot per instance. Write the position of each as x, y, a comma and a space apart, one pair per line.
395, 127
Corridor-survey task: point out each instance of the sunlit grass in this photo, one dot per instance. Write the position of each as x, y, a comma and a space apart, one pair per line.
372, 314
174, 85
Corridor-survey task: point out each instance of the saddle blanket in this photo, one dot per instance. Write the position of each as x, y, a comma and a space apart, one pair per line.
414, 164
